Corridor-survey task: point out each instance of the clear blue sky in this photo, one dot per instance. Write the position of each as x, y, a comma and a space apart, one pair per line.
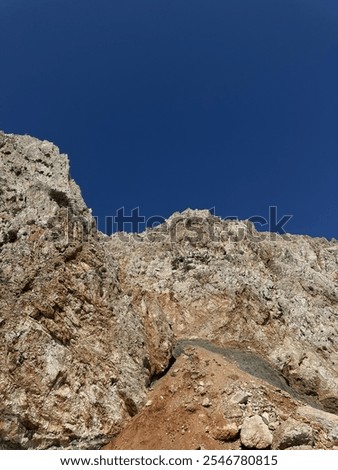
169, 104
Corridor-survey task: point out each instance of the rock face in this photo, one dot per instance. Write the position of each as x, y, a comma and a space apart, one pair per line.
89, 321
75, 356
222, 281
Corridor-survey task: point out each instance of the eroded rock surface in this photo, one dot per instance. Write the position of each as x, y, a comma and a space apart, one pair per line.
221, 281
75, 356
88, 321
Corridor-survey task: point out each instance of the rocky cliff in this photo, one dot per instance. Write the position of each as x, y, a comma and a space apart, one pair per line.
91, 324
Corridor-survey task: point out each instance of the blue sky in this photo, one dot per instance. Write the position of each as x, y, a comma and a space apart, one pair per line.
169, 104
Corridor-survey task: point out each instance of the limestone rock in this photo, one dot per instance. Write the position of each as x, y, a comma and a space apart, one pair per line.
292, 433
255, 434
206, 402
227, 432
223, 282
327, 421
89, 321
75, 357
240, 397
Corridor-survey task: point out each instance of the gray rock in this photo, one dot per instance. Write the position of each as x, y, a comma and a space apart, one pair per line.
327, 421
206, 402
266, 418
292, 433
240, 397
333, 434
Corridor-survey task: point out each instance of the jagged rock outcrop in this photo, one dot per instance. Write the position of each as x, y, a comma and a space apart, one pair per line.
87, 321
75, 357
222, 281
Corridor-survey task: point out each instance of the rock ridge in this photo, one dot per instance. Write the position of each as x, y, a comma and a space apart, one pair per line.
88, 320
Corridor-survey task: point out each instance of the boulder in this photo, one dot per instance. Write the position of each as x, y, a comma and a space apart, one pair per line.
255, 434
292, 433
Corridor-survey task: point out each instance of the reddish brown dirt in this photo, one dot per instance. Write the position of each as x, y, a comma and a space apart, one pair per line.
190, 406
